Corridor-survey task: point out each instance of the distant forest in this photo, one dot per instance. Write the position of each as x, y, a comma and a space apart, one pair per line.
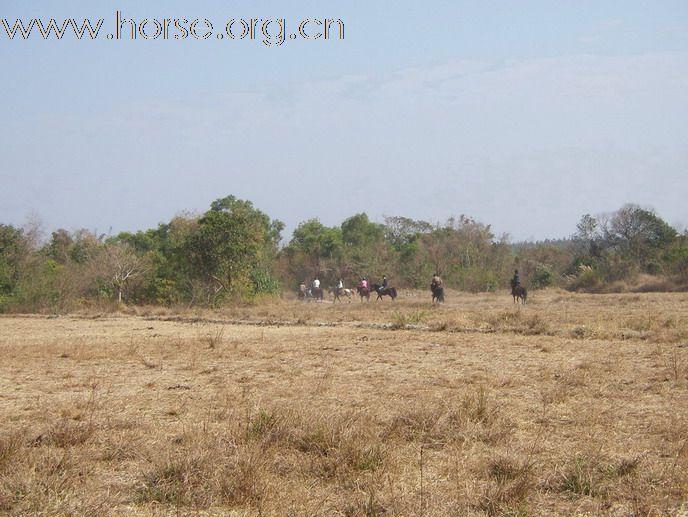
233, 253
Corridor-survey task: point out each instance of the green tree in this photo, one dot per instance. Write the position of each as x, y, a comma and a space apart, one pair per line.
13, 247
366, 248
233, 240
677, 257
639, 235
620, 245
407, 237
314, 249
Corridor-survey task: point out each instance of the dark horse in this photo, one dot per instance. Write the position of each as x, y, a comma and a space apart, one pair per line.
437, 293
518, 292
316, 293
384, 291
363, 292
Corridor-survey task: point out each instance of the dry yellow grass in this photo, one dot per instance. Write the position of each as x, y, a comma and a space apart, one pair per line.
571, 405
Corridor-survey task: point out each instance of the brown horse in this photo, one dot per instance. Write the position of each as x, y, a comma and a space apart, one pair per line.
363, 292
316, 293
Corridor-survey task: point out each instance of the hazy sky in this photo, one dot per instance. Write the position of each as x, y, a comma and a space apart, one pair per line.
522, 114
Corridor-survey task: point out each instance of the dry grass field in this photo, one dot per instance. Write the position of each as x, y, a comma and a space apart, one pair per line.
571, 405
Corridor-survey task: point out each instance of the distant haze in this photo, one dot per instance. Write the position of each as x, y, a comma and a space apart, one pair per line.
521, 115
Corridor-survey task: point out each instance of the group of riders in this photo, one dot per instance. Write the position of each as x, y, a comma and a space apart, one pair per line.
364, 288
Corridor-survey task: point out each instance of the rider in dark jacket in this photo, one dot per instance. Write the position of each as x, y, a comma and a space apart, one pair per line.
516, 280
384, 282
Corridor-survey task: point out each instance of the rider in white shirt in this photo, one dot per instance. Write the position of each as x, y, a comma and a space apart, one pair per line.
316, 283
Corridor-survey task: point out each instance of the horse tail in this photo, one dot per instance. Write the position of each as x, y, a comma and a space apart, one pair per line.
393, 292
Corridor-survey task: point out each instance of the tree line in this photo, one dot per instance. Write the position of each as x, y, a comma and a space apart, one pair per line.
234, 252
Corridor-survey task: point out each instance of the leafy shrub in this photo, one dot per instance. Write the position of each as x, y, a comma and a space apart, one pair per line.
587, 279
543, 277
264, 282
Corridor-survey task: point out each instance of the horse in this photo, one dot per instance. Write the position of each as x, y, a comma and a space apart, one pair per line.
316, 293
437, 293
518, 292
384, 291
337, 292
363, 292
302, 293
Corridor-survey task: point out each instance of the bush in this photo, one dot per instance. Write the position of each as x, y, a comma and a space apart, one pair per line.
543, 277
5, 303
263, 282
474, 280
588, 279
166, 292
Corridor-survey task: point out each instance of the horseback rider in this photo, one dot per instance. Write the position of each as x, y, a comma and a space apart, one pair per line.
316, 283
384, 282
436, 288
340, 286
516, 280
517, 290
364, 283
436, 281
